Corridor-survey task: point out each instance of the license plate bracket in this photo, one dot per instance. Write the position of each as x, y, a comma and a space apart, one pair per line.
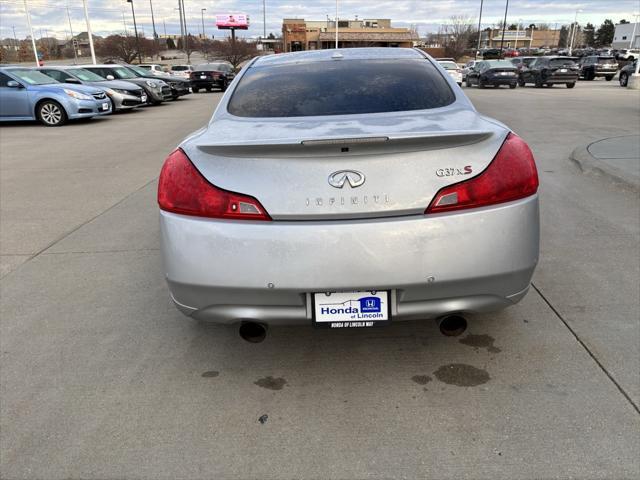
352, 309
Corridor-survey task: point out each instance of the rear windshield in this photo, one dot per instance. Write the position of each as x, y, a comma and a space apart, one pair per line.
214, 67
339, 87
499, 63
561, 62
449, 65
179, 68
606, 60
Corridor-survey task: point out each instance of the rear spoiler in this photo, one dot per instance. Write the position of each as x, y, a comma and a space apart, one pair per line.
331, 146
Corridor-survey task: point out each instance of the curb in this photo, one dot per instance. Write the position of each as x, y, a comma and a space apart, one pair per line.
587, 163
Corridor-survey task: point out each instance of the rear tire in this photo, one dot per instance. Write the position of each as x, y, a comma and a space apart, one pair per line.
512, 86
571, 85
624, 79
224, 87
195, 89
51, 114
480, 82
468, 83
538, 82
608, 78
209, 89
521, 82
590, 76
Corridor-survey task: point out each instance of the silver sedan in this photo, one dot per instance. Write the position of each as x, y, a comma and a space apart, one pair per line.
348, 188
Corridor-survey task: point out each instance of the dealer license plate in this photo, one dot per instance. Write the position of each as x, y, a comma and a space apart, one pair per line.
203, 77
105, 106
563, 70
351, 309
143, 98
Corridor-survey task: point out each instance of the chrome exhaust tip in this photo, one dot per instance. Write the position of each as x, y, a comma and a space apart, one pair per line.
452, 325
253, 332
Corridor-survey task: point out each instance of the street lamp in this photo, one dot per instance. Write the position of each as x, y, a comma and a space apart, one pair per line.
515, 44
504, 26
475, 57
202, 10
135, 28
573, 33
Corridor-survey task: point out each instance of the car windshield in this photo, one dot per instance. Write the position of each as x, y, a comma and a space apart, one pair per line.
340, 88
214, 67
561, 62
122, 72
449, 65
141, 72
146, 67
33, 77
85, 75
499, 63
179, 68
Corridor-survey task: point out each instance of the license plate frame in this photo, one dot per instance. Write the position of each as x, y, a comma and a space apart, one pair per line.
105, 106
351, 319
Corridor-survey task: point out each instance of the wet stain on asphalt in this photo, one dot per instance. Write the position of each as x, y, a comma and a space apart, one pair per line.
271, 383
263, 419
211, 374
462, 375
480, 341
421, 379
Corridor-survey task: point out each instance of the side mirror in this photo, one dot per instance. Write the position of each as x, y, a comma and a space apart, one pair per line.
13, 84
71, 80
110, 77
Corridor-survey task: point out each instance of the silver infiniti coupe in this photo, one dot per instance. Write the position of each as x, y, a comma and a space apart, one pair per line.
348, 188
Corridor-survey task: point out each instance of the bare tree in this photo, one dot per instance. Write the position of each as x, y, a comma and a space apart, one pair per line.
125, 48
459, 30
233, 52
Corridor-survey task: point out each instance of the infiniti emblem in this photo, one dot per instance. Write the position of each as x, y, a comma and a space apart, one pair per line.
353, 177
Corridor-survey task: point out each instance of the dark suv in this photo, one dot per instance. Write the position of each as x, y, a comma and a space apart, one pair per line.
598, 66
211, 75
549, 71
492, 72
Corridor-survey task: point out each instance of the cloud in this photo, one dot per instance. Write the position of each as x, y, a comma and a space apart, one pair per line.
114, 16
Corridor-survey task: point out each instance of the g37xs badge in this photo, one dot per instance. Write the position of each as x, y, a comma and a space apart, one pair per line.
352, 177
450, 172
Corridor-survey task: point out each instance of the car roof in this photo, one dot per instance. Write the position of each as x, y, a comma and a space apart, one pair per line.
308, 56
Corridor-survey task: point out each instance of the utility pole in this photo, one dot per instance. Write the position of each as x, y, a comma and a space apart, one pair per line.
336, 24
89, 34
504, 26
33, 40
573, 34
73, 40
164, 26
135, 29
264, 18
153, 24
475, 57
202, 10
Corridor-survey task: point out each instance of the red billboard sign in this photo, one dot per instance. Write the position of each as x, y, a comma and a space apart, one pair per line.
239, 21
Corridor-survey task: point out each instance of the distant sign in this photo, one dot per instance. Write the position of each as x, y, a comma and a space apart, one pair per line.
239, 21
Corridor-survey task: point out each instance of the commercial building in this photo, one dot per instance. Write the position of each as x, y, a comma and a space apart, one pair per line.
627, 35
299, 34
526, 38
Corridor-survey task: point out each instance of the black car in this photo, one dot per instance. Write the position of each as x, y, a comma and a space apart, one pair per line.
492, 72
626, 72
212, 75
491, 53
598, 66
157, 91
179, 86
549, 71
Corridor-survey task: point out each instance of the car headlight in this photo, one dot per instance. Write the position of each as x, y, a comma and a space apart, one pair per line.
152, 84
77, 95
110, 91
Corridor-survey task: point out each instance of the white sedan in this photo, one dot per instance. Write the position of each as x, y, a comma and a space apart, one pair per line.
452, 69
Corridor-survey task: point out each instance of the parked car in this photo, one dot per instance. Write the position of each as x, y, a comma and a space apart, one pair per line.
630, 54
123, 95
511, 52
550, 71
212, 75
183, 71
492, 53
154, 68
467, 68
626, 72
521, 62
598, 66
452, 69
288, 208
494, 73
26, 94
179, 86
157, 91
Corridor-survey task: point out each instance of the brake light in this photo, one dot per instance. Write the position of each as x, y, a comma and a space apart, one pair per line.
182, 189
511, 175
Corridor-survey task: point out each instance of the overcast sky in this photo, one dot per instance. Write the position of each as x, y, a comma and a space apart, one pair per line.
113, 16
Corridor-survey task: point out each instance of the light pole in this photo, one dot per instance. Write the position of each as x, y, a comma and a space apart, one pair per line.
135, 29
336, 24
504, 26
264, 18
73, 40
202, 10
475, 57
33, 40
89, 34
153, 24
573, 34
515, 44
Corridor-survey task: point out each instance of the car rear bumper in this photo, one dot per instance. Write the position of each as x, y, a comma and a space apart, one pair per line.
605, 73
502, 80
475, 261
207, 83
561, 79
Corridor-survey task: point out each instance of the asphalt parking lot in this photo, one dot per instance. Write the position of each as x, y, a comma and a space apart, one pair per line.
102, 378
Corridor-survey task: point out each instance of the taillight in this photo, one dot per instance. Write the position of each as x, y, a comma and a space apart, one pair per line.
511, 175
182, 189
